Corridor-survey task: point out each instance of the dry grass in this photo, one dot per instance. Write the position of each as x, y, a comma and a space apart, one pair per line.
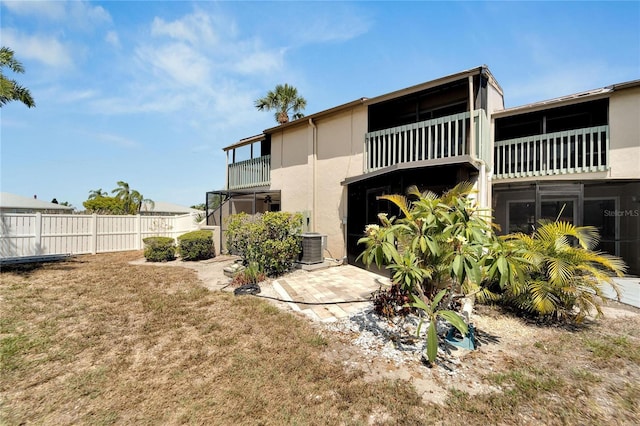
95, 340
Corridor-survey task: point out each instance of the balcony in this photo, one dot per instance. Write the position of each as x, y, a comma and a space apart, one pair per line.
444, 138
250, 173
575, 151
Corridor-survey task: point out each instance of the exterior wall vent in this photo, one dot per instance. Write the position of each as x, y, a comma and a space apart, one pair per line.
312, 244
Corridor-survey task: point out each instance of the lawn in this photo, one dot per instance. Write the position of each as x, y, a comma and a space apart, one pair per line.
96, 340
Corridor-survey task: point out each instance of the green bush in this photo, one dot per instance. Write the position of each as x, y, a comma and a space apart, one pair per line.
196, 245
272, 240
159, 249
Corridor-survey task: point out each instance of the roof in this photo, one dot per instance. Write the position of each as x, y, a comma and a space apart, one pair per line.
574, 98
13, 201
484, 70
245, 141
162, 207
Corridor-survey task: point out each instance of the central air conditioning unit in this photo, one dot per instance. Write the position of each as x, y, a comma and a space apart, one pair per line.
312, 248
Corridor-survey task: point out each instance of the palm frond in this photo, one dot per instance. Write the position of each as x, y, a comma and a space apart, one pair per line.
401, 202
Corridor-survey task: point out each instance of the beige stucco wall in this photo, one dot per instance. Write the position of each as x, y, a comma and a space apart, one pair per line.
289, 167
340, 142
624, 133
308, 165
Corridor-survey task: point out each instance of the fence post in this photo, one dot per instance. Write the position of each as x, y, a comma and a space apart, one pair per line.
37, 244
94, 234
138, 231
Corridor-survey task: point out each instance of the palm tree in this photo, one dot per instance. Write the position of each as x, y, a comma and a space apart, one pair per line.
123, 193
283, 99
96, 193
566, 276
131, 199
10, 90
137, 200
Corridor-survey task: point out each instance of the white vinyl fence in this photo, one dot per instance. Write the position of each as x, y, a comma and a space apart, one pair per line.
45, 234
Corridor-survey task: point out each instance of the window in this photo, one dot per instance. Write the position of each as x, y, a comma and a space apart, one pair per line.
521, 216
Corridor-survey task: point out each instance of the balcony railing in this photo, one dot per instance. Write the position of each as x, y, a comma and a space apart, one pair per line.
250, 173
440, 138
574, 151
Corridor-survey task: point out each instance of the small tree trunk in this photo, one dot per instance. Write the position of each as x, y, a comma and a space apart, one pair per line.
467, 307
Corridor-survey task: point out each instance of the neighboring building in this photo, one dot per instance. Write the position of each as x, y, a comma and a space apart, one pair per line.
11, 203
579, 155
160, 208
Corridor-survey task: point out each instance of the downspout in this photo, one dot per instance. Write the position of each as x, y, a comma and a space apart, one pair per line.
313, 171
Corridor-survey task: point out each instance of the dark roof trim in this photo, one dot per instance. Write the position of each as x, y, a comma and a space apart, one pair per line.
245, 141
589, 95
461, 160
306, 118
484, 70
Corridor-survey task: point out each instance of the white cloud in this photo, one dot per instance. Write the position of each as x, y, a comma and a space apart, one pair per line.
112, 38
260, 62
336, 24
45, 49
79, 14
54, 10
184, 65
84, 13
194, 28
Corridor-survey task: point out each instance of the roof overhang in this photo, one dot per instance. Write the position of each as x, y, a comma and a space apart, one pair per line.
462, 160
576, 98
304, 120
484, 70
245, 141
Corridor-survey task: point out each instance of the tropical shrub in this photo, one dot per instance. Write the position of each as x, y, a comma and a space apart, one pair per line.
565, 276
159, 249
272, 240
439, 242
196, 245
439, 246
443, 242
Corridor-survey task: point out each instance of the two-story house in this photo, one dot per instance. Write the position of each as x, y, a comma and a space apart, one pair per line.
576, 157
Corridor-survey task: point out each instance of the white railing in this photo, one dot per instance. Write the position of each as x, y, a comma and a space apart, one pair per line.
574, 151
445, 137
41, 234
250, 173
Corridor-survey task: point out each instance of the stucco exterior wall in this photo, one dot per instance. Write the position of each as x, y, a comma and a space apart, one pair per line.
289, 167
340, 145
624, 131
308, 164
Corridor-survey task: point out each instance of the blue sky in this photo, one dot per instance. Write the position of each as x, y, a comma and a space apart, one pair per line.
150, 92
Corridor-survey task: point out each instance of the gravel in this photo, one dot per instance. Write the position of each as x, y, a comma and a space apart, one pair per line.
393, 340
